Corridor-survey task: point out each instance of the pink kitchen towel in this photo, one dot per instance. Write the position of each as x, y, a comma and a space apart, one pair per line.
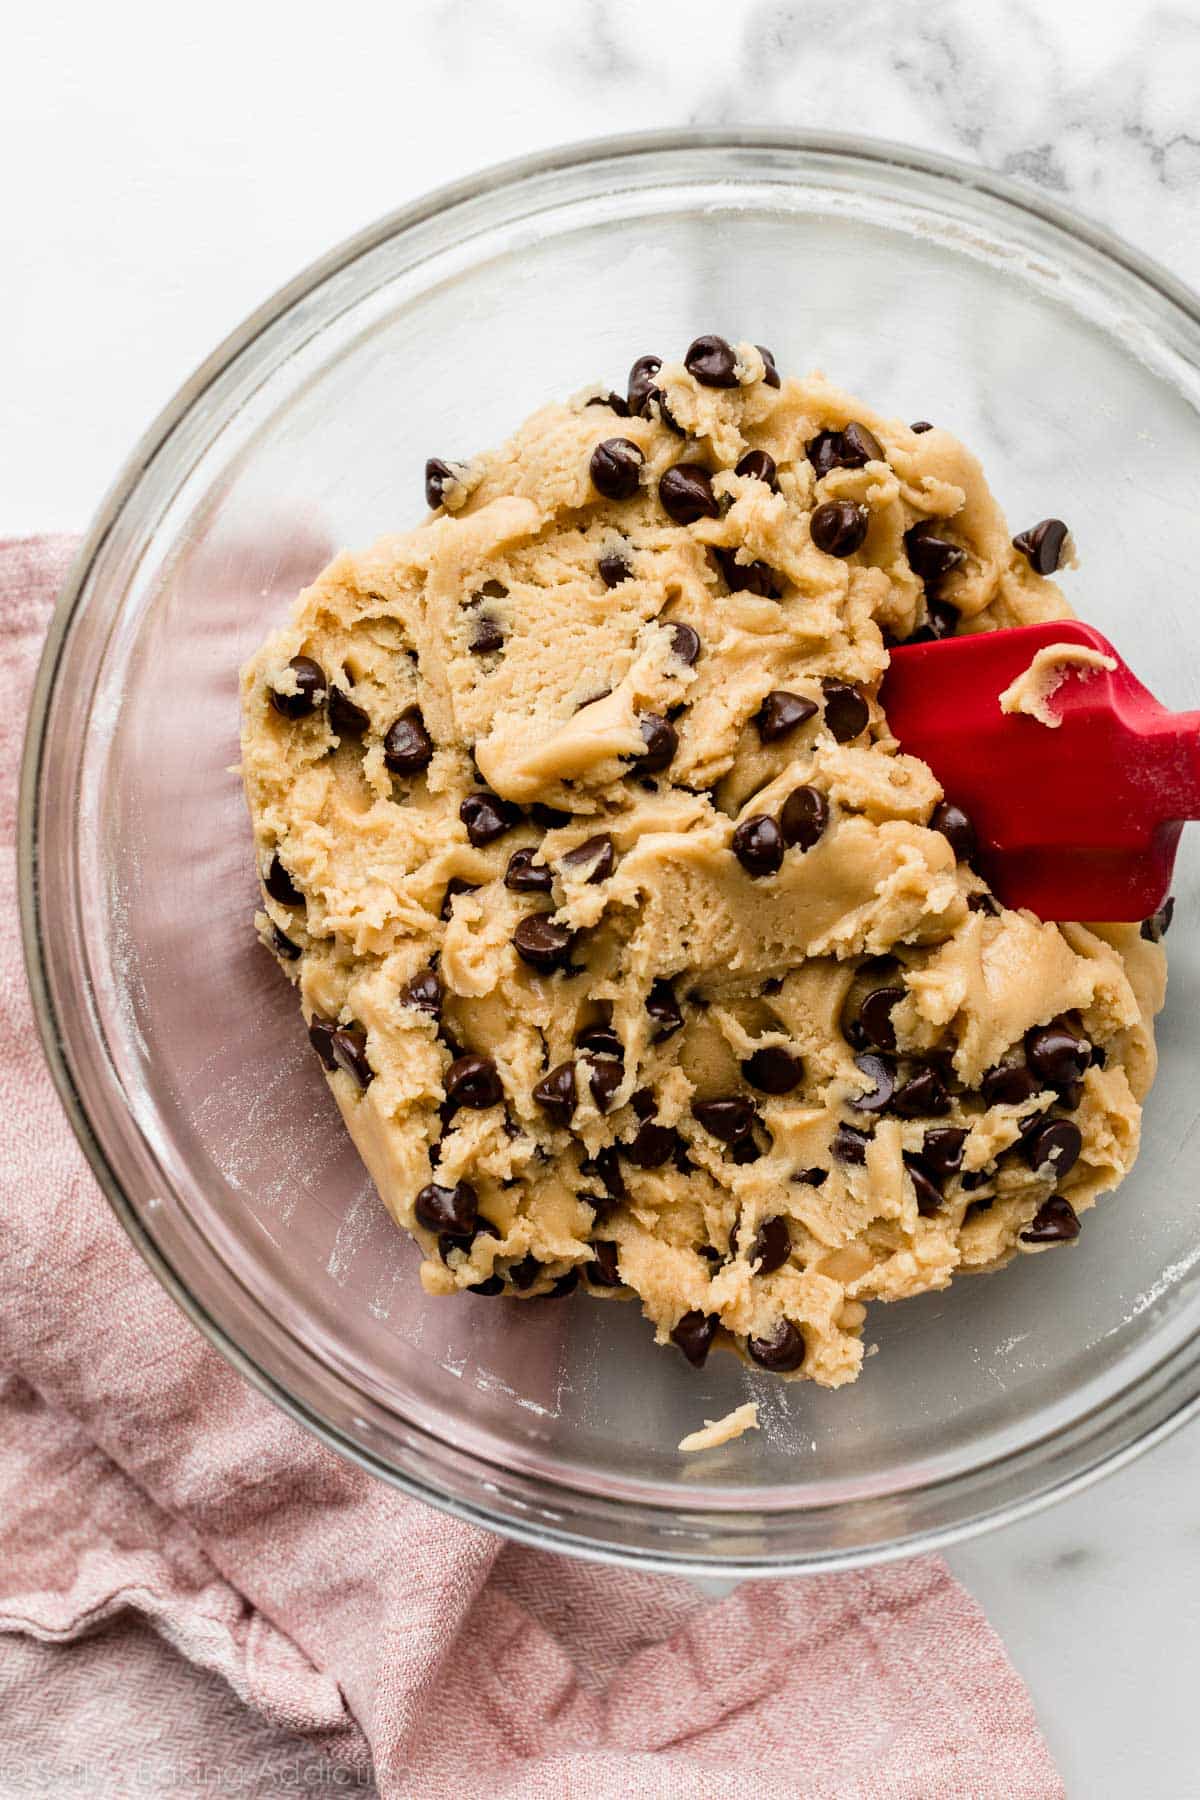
196, 1596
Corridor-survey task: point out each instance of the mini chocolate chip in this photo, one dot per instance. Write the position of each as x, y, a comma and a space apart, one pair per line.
971, 1182
606, 1166
423, 992
310, 689
283, 946
525, 876
747, 577
1055, 1222
408, 747
685, 491
491, 590
818, 1177
548, 817
772, 1245
923, 1097
920, 425
487, 818
1155, 928
1008, 1085
846, 710
663, 1008
488, 636
694, 1335
541, 943
758, 846
455, 886
614, 401
523, 1274
955, 825
661, 740
438, 476
773, 1070
883, 1076
860, 446
454, 1210
929, 1199
653, 1145
771, 375
983, 903
597, 851
782, 713
803, 817
473, 1081
1057, 1054
712, 362
641, 382
759, 466
643, 1103
614, 569
1043, 545
555, 1093
1099, 1056
349, 1048
615, 466
839, 527
347, 719
782, 1351
1056, 1144
602, 1271
931, 555
280, 885
488, 1289
685, 642
875, 1016
320, 1036
942, 1149
605, 1075
729, 1118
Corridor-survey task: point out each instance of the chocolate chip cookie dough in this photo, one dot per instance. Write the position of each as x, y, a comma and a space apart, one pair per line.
637, 954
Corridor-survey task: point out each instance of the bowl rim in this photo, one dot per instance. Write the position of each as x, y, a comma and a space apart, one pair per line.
1156, 1390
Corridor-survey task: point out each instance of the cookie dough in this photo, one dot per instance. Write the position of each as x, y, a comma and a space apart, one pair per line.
716, 1432
639, 957
1035, 687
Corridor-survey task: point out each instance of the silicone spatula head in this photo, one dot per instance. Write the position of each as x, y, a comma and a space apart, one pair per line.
1080, 821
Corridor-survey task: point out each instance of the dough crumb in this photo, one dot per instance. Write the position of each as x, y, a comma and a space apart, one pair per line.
1035, 686
722, 1431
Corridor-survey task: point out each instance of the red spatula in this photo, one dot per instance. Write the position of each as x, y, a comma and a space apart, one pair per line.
1081, 822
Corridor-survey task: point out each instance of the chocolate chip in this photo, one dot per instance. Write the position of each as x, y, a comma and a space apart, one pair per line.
1099, 1056
541, 943
920, 425
663, 1008
347, 719
488, 637
803, 817
280, 885
971, 1182
875, 1016
1008, 1085
615, 466
1058, 1054
438, 477
454, 1210
643, 1103
983, 903
614, 401
606, 1167
839, 527
310, 689
712, 362
548, 817
694, 1335
525, 876
860, 446
729, 1118
747, 577
602, 1271
653, 1145
782, 713
449, 1241
564, 1285
772, 1245
523, 1274
955, 825
487, 1289
423, 992
661, 740
818, 1177
602, 1040
929, 1199
923, 1097
614, 569
758, 846
1055, 1222
605, 1075
824, 452
686, 494
1043, 545
641, 382
782, 1351
487, 818
685, 643
474, 1081
596, 852
283, 946
846, 710
759, 466
1056, 1145
770, 372
455, 886
773, 1070
657, 403
408, 747
320, 1036
930, 554
883, 1077
1155, 929
941, 621
555, 1093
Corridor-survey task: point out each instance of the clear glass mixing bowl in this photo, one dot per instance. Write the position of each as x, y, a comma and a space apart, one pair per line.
936, 291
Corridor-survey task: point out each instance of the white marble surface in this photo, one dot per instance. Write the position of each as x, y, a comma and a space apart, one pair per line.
166, 168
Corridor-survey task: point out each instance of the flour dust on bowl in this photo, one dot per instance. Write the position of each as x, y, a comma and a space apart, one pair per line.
1067, 365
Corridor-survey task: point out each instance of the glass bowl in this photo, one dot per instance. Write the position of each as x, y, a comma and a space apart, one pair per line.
935, 291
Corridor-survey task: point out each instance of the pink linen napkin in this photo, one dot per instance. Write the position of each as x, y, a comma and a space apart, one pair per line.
325, 1631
